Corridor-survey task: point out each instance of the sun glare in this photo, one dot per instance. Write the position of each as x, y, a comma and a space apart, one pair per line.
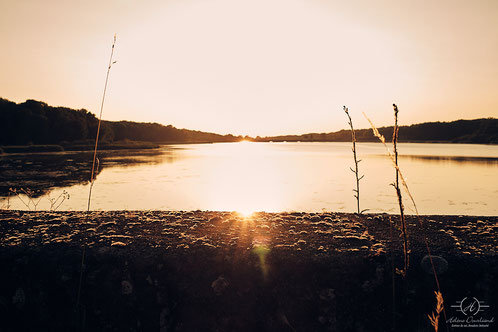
247, 180
245, 213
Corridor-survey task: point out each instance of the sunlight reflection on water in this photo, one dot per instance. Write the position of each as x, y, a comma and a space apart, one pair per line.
248, 177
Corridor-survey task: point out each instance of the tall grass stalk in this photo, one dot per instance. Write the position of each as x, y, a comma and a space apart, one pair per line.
407, 190
356, 162
92, 175
396, 186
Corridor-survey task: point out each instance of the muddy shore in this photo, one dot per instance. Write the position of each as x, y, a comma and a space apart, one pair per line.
221, 271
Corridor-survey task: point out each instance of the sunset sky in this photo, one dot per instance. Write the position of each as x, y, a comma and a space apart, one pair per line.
255, 67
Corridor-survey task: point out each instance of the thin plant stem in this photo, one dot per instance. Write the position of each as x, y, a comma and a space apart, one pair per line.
92, 177
356, 162
404, 231
30, 196
405, 185
19, 196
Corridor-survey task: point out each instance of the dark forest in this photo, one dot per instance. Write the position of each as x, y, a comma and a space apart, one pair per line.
36, 123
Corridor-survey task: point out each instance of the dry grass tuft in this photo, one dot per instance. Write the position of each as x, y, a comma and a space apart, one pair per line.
31, 202
434, 317
55, 203
393, 160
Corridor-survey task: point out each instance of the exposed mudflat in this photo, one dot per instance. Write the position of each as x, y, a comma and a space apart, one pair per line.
221, 271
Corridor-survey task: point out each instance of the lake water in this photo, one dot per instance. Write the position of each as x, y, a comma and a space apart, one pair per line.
247, 177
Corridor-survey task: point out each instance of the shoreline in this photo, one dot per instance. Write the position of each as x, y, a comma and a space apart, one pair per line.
220, 271
145, 145
479, 228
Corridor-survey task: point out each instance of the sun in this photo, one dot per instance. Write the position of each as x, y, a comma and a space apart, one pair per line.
245, 212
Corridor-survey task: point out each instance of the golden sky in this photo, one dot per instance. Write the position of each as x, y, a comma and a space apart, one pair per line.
256, 67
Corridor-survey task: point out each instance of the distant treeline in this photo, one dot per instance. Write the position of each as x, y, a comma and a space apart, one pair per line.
462, 131
35, 122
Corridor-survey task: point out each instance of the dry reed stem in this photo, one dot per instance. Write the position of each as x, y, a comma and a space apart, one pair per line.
405, 185
404, 231
92, 177
395, 165
356, 162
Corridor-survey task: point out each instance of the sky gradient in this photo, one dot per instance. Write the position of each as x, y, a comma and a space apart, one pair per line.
259, 67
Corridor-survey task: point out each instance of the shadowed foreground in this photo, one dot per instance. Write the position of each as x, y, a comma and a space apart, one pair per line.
220, 271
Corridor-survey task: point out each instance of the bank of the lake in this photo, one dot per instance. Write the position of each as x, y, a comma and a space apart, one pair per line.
83, 146
221, 271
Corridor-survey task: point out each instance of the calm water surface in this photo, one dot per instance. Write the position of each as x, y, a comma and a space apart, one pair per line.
248, 177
